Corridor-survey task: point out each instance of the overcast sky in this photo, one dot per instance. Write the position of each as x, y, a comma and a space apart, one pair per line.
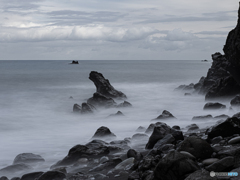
114, 29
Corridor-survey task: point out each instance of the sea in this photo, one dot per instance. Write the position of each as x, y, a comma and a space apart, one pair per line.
36, 111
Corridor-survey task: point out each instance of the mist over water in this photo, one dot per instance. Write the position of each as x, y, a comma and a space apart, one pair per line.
36, 111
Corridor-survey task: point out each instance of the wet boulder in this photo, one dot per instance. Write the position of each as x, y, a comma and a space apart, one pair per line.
165, 115
104, 87
227, 128
28, 158
192, 127
141, 129
77, 108
118, 114
168, 139
205, 117
235, 140
136, 155
160, 131
99, 100
52, 175
124, 104
31, 176
174, 166
176, 127
87, 108
4, 178
15, 169
214, 106
235, 101
223, 116
103, 133
222, 165
197, 147
106, 166
95, 148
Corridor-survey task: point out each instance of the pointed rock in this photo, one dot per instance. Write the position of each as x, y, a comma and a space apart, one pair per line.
104, 87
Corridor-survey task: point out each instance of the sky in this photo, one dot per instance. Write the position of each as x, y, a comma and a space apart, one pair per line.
114, 29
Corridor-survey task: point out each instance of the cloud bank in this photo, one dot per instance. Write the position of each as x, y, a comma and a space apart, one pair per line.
114, 30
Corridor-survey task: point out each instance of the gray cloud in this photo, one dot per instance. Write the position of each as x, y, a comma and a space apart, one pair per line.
135, 29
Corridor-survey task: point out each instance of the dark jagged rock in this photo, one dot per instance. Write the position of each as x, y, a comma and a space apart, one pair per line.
165, 115
223, 78
106, 166
192, 127
225, 129
168, 139
237, 115
136, 155
28, 158
213, 106
198, 85
77, 108
99, 100
87, 108
174, 166
104, 87
231, 48
197, 147
124, 104
223, 116
52, 175
160, 131
225, 87
235, 101
206, 117
92, 149
31, 176
103, 132
119, 113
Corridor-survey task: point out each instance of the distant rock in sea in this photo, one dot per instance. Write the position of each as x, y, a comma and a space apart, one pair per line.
74, 62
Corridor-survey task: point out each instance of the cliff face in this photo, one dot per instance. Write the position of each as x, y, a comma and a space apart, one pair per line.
232, 46
223, 78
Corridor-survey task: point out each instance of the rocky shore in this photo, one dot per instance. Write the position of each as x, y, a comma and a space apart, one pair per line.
156, 152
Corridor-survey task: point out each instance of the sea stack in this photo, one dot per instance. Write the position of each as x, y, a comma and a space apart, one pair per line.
104, 87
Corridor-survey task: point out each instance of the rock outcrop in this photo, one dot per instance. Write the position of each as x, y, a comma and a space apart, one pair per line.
103, 132
223, 78
104, 87
165, 115
99, 100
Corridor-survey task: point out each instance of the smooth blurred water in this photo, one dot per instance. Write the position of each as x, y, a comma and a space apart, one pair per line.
36, 112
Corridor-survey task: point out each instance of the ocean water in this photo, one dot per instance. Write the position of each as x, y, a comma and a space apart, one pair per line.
36, 111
